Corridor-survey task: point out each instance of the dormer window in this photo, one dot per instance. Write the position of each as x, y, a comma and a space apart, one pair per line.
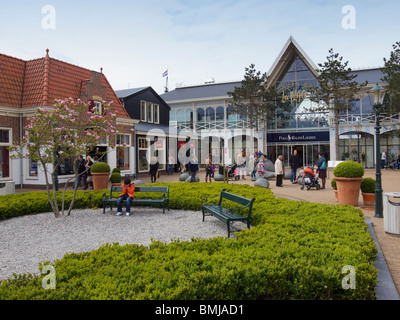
97, 107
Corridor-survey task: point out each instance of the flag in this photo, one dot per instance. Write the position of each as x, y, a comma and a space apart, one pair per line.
165, 74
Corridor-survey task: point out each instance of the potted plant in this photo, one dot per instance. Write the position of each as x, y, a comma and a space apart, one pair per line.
368, 191
100, 173
116, 179
333, 184
348, 176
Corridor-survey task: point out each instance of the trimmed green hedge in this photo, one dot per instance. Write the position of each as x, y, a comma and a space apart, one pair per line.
348, 169
295, 251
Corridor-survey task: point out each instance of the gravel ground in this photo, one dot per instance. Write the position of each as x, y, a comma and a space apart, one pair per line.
26, 241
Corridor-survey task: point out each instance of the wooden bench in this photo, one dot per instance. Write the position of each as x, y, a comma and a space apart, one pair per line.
164, 201
227, 214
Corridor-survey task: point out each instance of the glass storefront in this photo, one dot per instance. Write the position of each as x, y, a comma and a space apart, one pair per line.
297, 123
308, 153
353, 145
357, 145
390, 142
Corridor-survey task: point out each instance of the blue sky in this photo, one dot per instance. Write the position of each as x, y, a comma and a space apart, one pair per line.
136, 41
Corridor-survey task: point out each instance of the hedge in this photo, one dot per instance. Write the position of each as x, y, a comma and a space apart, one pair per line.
296, 250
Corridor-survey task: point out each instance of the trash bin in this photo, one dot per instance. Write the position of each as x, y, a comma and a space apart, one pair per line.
391, 213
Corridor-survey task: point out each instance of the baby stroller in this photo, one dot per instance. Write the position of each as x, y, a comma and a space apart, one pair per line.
232, 173
310, 179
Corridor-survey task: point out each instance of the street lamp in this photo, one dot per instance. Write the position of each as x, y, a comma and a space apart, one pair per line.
358, 128
376, 95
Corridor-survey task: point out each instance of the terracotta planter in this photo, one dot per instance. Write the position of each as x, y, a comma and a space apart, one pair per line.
348, 190
117, 184
369, 199
100, 180
336, 195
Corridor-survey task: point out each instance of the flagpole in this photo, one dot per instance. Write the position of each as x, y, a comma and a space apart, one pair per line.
166, 83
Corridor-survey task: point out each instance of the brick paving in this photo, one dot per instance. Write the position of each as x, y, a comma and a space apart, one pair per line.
389, 243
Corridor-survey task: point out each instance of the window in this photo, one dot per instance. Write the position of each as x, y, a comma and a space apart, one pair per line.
97, 107
5, 141
143, 113
33, 168
123, 150
149, 112
143, 144
156, 113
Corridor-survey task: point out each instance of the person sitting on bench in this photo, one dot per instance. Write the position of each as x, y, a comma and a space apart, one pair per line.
128, 195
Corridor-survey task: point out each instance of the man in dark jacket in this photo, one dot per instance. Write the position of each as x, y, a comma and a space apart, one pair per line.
294, 162
81, 172
193, 168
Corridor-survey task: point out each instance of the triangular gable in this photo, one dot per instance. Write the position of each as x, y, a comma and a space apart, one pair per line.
290, 49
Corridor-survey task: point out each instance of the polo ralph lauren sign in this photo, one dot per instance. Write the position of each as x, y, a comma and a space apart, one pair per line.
293, 137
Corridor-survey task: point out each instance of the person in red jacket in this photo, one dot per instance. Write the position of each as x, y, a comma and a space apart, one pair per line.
128, 193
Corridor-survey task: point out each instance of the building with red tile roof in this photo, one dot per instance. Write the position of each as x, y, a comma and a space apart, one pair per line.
27, 85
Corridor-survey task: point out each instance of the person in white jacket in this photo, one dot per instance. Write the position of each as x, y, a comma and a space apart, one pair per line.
279, 170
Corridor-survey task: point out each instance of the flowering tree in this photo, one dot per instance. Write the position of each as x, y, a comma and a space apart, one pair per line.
66, 131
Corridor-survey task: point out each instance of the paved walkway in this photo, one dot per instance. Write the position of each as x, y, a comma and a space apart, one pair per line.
389, 243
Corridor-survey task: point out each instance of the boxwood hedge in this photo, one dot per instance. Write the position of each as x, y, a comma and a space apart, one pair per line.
296, 250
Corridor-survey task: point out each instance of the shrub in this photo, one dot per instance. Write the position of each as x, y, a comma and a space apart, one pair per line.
367, 185
348, 169
116, 170
115, 177
294, 250
333, 184
100, 167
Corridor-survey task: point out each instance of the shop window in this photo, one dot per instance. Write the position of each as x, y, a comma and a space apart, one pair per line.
123, 150
5, 141
33, 168
143, 145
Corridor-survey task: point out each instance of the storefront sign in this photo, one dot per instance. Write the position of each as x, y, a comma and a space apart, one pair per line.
294, 95
293, 137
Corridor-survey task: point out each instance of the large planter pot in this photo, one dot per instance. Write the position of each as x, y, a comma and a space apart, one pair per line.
100, 180
369, 198
348, 190
336, 195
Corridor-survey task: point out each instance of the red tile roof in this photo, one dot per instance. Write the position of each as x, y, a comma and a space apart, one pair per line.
38, 82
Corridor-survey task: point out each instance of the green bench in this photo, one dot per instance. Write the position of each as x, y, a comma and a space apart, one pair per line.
110, 201
227, 214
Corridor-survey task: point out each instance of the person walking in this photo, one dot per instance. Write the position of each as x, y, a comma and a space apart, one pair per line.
80, 163
89, 179
209, 170
322, 169
241, 162
170, 164
128, 193
153, 169
279, 170
383, 160
193, 168
294, 162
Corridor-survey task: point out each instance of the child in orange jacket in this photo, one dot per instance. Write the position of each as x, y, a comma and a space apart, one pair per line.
128, 193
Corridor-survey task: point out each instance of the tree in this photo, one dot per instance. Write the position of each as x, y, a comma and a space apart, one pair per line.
65, 131
337, 90
253, 100
391, 72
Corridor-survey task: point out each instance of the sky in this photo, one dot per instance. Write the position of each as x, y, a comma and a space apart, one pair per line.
136, 41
